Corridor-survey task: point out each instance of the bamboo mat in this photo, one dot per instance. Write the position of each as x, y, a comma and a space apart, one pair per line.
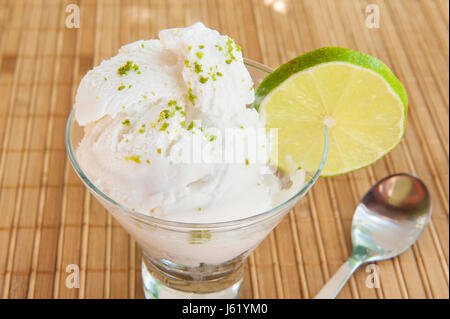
48, 220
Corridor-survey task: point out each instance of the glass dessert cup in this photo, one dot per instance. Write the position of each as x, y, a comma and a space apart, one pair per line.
193, 260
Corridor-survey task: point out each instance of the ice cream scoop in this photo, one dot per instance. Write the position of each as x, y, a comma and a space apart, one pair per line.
156, 118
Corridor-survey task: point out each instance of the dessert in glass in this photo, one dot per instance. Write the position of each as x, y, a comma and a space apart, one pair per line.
164, 136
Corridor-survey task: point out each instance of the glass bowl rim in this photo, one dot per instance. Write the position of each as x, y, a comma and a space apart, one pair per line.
214, 225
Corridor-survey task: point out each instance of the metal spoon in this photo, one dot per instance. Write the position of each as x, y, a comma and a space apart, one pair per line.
388, 220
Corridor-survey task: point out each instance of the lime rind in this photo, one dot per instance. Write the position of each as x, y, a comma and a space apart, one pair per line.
326, 55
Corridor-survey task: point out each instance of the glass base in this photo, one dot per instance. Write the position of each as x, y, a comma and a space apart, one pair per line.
160, 283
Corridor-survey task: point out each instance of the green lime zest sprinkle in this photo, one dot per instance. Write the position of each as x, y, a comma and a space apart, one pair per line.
183, 123
203, 79
212, 138
219, 74
120, 88
142, 44
129, 86
189, 47
186, 63
201, 46
191, 96
199, 55
197, 67
178, 108
134, 158
246, 161
199, 209
228, 61
141, 130
191, 126
105, 78
164, 126
158, 150
229, 44
172, 102
199, 236
125, 68
148, 162
126, 122
230, 48
164, 115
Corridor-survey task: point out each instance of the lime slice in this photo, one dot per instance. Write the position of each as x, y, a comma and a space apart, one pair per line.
354, 95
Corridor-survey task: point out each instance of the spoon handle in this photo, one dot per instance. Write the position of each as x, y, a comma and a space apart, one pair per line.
335, 284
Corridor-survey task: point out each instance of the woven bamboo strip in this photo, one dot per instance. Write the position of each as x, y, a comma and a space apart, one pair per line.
430, 162
26, 198
9, 164
40, 271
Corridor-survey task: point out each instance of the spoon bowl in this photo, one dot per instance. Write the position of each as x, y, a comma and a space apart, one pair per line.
388, 220
390, 217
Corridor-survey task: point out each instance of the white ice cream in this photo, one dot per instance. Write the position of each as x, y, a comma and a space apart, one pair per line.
143, 105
